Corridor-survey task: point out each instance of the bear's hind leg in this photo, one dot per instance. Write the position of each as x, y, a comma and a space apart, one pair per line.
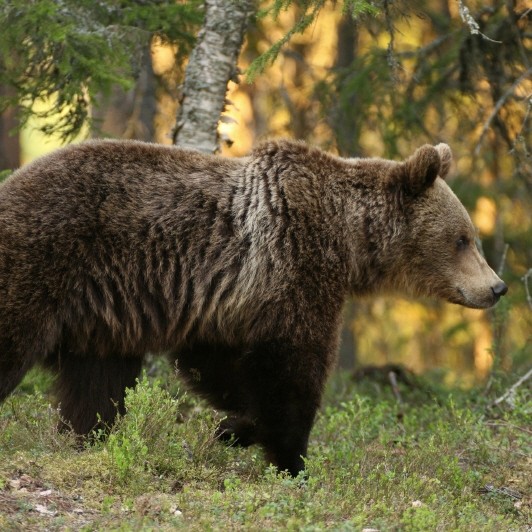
90, 390
13, 366
11, 373
214, 372
237, 431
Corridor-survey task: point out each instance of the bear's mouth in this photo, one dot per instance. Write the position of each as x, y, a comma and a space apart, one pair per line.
466, 301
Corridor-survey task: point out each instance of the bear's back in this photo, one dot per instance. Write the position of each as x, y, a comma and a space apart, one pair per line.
109, 232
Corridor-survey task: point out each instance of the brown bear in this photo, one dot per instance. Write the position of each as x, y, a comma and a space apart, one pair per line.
238, 268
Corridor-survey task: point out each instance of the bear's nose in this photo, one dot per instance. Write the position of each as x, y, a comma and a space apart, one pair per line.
499, 289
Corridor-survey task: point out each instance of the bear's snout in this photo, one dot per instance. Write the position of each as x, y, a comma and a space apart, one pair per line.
483, 298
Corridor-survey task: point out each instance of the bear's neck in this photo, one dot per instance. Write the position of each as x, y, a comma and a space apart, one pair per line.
373, 232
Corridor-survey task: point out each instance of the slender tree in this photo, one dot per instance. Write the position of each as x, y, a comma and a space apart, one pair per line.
211, 66
9, 138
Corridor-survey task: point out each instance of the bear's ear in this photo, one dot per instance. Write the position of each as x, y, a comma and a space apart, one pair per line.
420, 170
446, 158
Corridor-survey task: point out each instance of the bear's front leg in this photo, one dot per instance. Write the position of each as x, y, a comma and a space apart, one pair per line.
284, 387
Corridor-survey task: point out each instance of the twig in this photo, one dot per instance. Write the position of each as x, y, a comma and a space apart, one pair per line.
487, 488
511, 391
498, 105
525, 14
488, 386
525, 279
494, 424
427, 49
395, 388
474, 28
519, 136
503, 260
390, 51
393, 381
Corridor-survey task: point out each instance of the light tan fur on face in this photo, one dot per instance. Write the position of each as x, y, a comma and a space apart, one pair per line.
469, 277
445, 268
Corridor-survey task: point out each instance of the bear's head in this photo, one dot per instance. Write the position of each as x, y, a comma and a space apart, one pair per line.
439, 252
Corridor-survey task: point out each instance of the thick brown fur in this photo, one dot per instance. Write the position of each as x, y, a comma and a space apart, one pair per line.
236, 267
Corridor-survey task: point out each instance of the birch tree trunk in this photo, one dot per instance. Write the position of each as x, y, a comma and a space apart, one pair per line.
211, 65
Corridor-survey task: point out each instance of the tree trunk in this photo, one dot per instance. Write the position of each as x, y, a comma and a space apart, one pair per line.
343, 120
9, 138
347, 132
211, 65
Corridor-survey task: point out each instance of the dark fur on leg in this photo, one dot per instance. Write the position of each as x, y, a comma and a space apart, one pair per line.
214, 371
11, 373
90, 390
237, 431
13, 367
283, 409
271, 391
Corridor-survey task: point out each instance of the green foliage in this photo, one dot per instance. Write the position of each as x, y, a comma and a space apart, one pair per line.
4, 174
164, 434
145, 438
309, 12
29, 424
357, 8
69, 51
150, 441
417, 72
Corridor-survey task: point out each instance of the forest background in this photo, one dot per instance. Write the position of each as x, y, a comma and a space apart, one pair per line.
356, 78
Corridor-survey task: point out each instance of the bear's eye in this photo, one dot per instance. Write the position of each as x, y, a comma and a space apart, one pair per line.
462, 243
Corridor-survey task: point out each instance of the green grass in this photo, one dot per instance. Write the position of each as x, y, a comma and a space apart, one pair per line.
439, 461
